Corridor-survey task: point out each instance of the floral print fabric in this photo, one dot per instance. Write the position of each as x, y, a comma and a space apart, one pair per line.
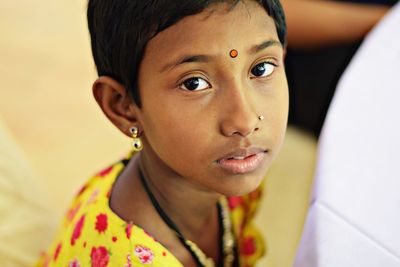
93, 235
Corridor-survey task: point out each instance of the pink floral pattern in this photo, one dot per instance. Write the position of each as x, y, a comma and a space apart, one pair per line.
99, 257
249, 246
77, 230
57, 251
128, 261
73, 211
83, 188
74, 263
101, 223
144, 254
93, 197
128, 230
234, 202
104, 172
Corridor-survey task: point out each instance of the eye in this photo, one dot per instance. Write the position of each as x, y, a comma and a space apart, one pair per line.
194, 84
263, 69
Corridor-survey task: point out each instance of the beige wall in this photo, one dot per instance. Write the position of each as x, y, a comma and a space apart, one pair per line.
45, 96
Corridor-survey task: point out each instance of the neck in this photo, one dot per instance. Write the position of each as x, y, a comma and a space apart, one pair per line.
189, 205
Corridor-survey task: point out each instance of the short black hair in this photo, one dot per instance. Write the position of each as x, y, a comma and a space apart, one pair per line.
120, 30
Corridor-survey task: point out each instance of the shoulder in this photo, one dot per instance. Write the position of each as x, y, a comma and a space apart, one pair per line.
93, 235
89, 230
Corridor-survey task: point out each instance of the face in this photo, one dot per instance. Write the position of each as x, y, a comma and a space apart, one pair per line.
201, 105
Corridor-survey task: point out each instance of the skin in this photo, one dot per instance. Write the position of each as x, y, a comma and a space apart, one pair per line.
186, 132
313, 24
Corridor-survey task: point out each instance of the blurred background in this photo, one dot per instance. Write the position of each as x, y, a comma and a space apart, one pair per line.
52, 135
55, 137
46, 100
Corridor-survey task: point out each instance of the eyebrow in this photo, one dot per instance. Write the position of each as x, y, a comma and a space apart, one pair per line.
257, 48
186, 59
207, 58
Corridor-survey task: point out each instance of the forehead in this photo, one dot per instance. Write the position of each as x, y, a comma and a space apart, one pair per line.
218, 28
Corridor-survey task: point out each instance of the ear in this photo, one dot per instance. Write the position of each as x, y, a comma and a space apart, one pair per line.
116, 103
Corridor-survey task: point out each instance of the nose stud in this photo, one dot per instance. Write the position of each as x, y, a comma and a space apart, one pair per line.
261, 117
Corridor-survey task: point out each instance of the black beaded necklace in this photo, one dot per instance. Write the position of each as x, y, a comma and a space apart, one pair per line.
227, 244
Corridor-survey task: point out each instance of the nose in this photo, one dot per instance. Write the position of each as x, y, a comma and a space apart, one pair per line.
239, 117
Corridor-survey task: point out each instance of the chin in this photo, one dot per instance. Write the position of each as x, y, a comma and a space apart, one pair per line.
239, 186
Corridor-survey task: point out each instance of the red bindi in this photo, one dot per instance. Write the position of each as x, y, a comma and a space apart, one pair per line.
233, 53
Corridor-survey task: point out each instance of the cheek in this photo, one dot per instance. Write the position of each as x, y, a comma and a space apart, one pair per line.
274, 105
175, 133
278, 117
180, 143
281, 98
282, 106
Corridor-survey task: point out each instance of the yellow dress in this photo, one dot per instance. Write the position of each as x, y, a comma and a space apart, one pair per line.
93, 235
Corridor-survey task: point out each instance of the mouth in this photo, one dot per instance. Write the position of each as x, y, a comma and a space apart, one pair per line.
243, 161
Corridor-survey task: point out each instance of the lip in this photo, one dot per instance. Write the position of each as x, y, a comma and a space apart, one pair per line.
242, 161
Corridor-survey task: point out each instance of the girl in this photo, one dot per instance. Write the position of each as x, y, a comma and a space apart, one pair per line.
201, 89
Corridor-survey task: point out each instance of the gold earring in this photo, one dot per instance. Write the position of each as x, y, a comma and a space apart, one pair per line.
137, 143
261, 117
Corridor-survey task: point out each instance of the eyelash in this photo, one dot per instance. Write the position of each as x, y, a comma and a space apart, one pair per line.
182, 84
267, 62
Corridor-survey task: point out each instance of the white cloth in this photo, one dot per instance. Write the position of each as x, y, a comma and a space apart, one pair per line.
354, 216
